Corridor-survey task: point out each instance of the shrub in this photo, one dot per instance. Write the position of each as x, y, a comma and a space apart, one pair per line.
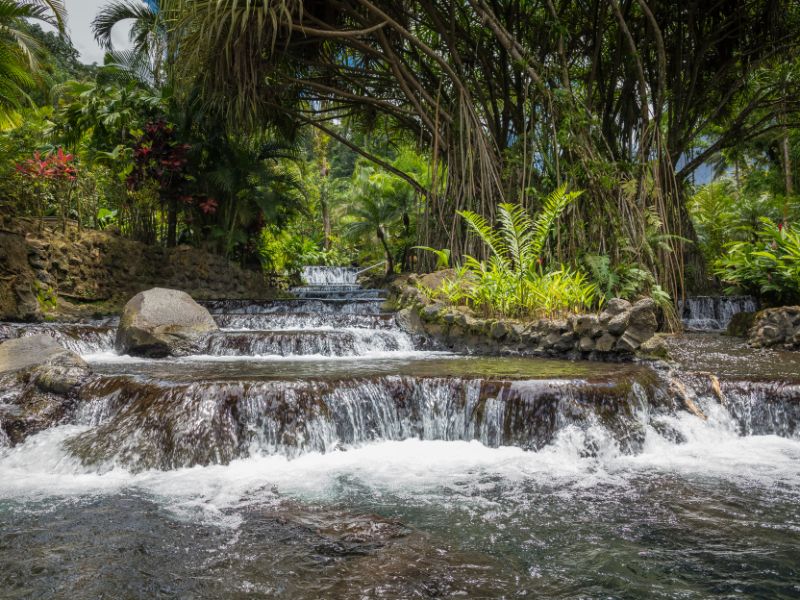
769, 267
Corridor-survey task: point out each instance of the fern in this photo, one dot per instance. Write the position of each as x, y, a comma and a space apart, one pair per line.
555, 204
514, 281
485, 231
517, 232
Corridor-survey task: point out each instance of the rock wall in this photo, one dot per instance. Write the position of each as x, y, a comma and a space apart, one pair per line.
618, 332
46, 273
777, 327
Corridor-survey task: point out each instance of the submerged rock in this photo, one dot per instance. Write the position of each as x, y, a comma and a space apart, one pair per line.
162, 322
40, 379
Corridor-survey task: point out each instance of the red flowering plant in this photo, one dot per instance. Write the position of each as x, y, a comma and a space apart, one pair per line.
52, 177
160, 157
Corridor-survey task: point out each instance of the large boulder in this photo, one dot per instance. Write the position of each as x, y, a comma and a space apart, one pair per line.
36, 351
162, 322
40, 380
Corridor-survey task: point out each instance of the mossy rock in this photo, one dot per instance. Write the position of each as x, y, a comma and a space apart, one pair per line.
740, 324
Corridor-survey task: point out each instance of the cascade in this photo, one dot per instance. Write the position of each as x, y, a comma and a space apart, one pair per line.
713, 313
330, 276
312, 431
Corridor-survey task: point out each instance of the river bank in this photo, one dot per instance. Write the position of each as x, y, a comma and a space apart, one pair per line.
49, 274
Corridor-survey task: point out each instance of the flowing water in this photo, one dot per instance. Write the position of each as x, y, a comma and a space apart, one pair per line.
312, 450
713, 313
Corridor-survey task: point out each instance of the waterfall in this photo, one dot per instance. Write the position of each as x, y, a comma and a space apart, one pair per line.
318, 276
350, 342
713, 313
143, 425
267, 384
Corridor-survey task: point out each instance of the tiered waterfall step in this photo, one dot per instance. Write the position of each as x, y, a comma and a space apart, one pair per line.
340, 342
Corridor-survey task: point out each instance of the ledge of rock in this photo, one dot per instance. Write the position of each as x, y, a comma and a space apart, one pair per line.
619, 331
162, 322
40, 380
776, 327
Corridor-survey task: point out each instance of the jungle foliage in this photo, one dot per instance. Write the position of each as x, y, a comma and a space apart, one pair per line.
283, 133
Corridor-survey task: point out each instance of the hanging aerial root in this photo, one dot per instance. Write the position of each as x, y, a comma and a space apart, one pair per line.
678, 389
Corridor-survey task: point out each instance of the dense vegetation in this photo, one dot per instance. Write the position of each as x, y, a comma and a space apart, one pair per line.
283, 133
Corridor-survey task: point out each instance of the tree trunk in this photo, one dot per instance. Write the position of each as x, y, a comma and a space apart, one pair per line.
172, 223
787, 174
386, 251
326, 216
405, 259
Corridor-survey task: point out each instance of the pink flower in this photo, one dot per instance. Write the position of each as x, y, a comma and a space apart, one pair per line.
209, 206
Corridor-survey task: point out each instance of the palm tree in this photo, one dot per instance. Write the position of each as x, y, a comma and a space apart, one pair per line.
18, 50
373, 215
251, 185
146, 59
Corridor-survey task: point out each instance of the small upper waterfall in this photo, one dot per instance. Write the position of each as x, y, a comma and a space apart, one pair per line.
713, 313
330, 275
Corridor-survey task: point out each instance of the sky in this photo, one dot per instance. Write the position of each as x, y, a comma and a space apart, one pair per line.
79, 18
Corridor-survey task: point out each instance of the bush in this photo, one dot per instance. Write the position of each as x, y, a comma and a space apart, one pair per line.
769, 267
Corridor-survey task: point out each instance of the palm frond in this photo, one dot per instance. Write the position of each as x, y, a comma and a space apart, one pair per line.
122, 10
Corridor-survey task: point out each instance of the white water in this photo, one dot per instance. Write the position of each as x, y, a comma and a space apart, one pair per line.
112, 357
330, 275
714, 313
418, 472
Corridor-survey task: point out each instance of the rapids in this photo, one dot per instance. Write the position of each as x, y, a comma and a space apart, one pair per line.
315, 450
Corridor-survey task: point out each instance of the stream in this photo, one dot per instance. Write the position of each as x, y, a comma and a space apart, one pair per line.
315, 450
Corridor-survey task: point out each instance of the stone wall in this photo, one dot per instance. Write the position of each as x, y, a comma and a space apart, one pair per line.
619, 331
777, 327
47, 273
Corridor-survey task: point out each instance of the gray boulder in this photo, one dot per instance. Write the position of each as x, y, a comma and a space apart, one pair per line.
36, 351
614, 307
777, 327
41, 380
161, 322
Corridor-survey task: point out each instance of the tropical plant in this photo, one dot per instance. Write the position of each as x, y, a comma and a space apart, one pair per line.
371, 216
516, 280
52, 174
768, 267
19, 51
